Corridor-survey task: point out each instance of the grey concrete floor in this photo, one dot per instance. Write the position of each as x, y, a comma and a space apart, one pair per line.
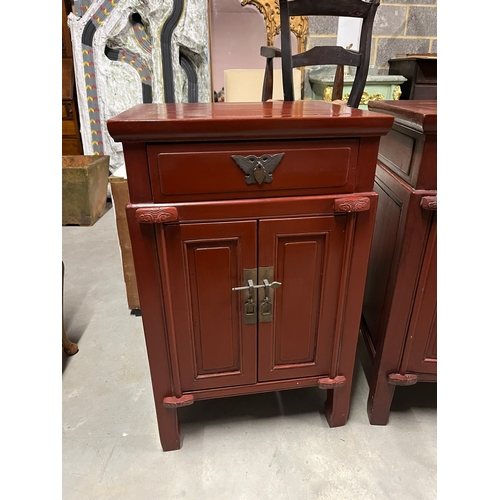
266, 446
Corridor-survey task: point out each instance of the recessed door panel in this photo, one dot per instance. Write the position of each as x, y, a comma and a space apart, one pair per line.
421, 349
306, 254
216, 348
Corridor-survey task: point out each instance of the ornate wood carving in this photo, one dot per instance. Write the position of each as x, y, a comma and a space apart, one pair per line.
398, 379
173, 402
348, 205
270, 10
156, 215
332, 383
429, 203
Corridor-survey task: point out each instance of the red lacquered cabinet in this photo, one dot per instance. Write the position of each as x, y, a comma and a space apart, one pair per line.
399, 321
251, 226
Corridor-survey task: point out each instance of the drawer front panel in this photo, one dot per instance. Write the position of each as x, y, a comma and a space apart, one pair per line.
71, 147
68, 127
425, 92
396, 151
306, 167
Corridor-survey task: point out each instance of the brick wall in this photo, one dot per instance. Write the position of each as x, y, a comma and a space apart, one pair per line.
401, 27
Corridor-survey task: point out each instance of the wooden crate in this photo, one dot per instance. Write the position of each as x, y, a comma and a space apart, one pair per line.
120, 195
84, 189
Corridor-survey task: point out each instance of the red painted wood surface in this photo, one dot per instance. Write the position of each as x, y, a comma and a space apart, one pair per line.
400, 303
334, 170
410, 148
197, 228
244, 121
207, 260
306, 254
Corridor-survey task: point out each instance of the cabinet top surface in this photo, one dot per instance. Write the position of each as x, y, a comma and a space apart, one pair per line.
213, 121
421, 115
415, 57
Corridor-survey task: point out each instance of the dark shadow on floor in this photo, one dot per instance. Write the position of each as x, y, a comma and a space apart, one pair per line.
265, 405
420, 395
74, 335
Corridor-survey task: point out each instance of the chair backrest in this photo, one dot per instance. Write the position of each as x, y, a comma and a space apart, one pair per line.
330, 54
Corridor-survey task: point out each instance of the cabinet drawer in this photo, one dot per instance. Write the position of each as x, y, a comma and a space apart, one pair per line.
68, 127
71, 147
244, 170
425, 92
396, 151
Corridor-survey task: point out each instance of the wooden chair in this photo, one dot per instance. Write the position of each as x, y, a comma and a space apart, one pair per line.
322, 55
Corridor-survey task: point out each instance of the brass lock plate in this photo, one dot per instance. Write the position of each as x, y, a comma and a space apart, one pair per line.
249, 298
266, 295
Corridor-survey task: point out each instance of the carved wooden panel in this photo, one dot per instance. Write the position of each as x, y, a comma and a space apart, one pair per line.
354, 204
307, 257
180, 175
153, 215
390, 215
422, 331
429, 203
205, 262
396, 150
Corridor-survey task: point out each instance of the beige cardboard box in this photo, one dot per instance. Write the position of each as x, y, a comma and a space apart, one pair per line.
120, 197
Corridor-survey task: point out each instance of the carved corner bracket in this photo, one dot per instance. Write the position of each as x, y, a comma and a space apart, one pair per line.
155, 215
173, 402
398, 379
429, 203
270, 10
332, 383
348, 205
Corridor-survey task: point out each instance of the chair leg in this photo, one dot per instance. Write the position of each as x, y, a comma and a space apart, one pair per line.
267, 88
70, 348
338, 83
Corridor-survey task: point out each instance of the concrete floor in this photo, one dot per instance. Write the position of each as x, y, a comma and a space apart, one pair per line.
267, 446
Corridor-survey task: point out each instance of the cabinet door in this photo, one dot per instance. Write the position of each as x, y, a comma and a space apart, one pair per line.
306, 254
422, 331
204, 262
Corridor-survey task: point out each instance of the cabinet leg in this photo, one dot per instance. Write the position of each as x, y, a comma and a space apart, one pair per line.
337, 405
379, 400
169, 429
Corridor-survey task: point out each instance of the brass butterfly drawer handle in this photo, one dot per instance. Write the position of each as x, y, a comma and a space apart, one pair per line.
258, 169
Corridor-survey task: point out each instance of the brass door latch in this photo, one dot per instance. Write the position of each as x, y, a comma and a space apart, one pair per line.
265, 291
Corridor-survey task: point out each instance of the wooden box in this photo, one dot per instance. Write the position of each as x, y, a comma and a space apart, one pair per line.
120, 195
84, 189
